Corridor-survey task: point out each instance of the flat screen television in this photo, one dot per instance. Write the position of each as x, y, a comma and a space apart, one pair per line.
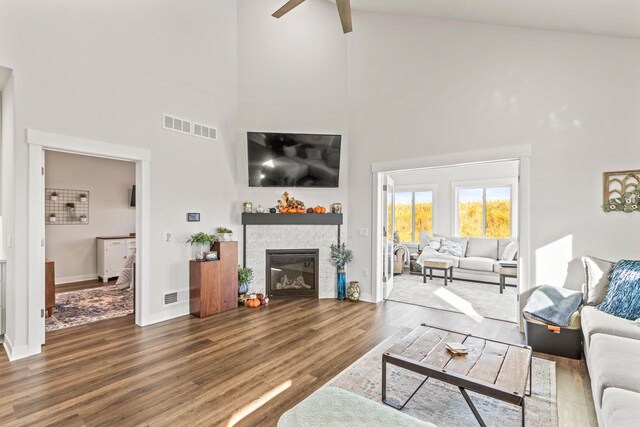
293, 160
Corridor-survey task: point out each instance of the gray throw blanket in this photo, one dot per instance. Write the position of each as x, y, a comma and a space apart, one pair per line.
553, 305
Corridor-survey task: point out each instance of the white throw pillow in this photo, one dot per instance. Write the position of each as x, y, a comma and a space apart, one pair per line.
452, 248
597, 279
435, 244
510, 252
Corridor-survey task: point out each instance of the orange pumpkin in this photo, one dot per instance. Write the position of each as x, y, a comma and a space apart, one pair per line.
317, 209
282, 210
252, 303
300, 210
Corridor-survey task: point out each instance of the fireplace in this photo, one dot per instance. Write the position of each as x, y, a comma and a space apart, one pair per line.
292, 273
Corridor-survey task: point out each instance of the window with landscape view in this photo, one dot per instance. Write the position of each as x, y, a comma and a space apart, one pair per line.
484, 212
413, 213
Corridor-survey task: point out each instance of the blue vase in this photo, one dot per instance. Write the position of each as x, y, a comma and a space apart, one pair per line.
243, 288
342, 283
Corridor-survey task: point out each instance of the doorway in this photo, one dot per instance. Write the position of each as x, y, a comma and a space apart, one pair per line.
90, 239
38, 142
476, 208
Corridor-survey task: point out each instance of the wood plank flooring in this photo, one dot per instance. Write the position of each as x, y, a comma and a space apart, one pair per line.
87, 284
244, 367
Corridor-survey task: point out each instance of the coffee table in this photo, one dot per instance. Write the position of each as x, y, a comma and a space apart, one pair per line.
495, 369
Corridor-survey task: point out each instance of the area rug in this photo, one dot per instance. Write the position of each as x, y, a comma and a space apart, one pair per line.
441, 403
75, 308
477, 300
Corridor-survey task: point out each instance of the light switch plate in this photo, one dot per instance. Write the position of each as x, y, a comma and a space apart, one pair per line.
363, 232
166, 236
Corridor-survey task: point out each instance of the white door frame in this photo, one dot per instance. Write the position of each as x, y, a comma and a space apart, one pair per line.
521, 153
38, 142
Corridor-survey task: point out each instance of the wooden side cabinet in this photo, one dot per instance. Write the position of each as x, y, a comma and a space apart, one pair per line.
49, 286
213, 285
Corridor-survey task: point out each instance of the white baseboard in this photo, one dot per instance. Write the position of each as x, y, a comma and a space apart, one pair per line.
13, 352
366, 298
73, 279
181, 309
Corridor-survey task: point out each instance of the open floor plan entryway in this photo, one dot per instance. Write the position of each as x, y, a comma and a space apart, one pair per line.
451, 238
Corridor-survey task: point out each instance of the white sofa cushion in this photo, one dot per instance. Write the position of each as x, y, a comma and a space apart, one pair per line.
597, 279
613, 362
480, 247
426, 240
620, 408
595, 321
477, 263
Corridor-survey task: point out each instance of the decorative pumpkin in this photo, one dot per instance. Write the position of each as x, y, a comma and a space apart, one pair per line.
283, 210
310, 210
252, 303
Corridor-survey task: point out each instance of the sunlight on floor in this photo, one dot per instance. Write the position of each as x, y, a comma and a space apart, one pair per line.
256, 404
459, 303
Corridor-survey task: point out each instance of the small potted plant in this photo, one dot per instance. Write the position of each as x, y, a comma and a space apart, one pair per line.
54, 196
245, 275
224, 234
83, 218
72, 209
202, 244
83, 198
52, 217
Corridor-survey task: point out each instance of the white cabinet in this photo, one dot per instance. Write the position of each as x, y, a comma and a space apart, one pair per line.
112, 253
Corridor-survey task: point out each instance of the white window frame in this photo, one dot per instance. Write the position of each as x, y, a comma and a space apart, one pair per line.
512, 183
413, 189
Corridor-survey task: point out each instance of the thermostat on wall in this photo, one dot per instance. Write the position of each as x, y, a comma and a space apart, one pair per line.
193, 217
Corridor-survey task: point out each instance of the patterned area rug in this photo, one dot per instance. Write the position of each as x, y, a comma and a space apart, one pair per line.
442, 404
89, 305
474, 299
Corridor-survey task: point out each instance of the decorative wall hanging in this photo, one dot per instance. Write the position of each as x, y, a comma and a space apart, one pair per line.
66, 207
621, 191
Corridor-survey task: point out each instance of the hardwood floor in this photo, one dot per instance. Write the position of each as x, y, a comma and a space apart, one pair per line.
244, 367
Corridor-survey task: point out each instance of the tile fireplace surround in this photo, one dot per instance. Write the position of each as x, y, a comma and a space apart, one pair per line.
259, 238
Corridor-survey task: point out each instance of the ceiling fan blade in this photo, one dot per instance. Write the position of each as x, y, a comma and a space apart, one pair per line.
286, 8
344, 9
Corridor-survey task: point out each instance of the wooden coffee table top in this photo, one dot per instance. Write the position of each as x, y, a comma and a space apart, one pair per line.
490, 367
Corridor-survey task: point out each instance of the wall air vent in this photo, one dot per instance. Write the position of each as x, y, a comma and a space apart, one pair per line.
205, 131
176, 124
188, 127
170, 298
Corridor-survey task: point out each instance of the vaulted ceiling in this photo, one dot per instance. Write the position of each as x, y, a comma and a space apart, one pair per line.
606, 17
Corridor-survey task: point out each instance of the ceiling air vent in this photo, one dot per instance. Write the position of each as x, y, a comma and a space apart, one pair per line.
188, 127
170, 298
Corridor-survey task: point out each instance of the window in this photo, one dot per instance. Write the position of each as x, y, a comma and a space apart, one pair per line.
484, 212
413, 213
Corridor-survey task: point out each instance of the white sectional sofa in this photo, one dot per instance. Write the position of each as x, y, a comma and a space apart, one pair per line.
612, 352
481, 260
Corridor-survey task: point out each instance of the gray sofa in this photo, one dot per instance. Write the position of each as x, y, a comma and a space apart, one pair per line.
481, 260
612, 352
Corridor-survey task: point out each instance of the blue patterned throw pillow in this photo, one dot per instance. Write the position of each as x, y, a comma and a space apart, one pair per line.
451, 248
623, 296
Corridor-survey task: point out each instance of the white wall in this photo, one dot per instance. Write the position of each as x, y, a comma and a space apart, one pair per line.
12, 299
107, 71
73, 247
291, 78
421, 87
443, 179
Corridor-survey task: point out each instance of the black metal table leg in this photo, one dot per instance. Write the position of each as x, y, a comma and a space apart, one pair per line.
451, 274
430, 273
391, 403
424, 274
472, 406
445, 275
530, 375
